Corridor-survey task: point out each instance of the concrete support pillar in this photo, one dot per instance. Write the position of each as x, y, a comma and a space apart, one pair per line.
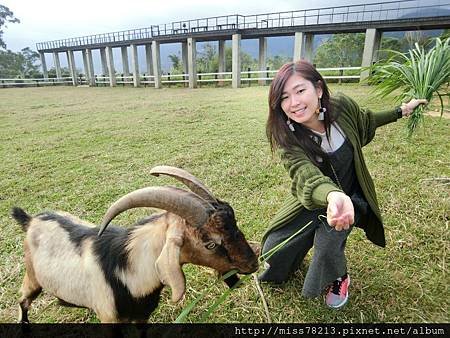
44, 65
156, 63
85, 67
262, 59
303, 46
57, 65
184, 57
72, 67
222, 60
192, 63
309, 38
125, 65
236, 60
104, 62
149, 59
90, 64
299, 46
111, 69
135, 66
371, 47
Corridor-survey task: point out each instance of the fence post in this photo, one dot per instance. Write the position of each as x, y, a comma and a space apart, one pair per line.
267, 74
168, 78
248, 76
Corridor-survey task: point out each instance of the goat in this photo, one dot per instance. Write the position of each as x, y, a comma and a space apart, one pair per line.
119, 273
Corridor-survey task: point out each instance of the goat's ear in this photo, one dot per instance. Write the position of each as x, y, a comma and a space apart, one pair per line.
168, 265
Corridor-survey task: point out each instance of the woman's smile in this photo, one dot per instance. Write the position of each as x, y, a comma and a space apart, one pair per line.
300, 112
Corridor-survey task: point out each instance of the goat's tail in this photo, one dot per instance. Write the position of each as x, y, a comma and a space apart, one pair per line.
21, 217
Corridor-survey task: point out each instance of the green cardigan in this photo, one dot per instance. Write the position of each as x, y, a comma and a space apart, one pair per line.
310, 187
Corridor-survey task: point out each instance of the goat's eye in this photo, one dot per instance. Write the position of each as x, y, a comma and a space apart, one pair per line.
211, 246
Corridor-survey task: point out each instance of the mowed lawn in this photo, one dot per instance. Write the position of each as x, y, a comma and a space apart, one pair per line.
79, 149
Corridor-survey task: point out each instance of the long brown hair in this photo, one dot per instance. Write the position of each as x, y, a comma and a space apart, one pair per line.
277, 130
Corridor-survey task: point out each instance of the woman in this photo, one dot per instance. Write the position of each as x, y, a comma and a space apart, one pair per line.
320, 140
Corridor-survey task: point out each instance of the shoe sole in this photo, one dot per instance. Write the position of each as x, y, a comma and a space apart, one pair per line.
337, 307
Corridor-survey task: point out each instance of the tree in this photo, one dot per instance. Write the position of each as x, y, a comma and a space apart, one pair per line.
387, 45
277, 61
9, 61
5, 16
176, 64
65, 72
247, 61
208, 60
341, 50
30, 57
413, 37
20, 64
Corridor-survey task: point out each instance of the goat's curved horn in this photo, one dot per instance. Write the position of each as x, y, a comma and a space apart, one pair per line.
183, 203
186, 178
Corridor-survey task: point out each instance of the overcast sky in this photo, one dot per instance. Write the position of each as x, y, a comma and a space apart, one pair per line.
45, 20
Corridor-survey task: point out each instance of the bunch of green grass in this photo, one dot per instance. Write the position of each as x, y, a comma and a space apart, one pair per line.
418, 74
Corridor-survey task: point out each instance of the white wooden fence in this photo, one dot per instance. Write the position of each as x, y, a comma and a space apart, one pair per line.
248, 76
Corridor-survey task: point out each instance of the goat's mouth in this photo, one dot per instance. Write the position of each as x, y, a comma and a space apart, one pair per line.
233, 279
247, 270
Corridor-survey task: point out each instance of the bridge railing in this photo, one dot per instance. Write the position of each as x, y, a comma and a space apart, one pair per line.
330, 15
346, 14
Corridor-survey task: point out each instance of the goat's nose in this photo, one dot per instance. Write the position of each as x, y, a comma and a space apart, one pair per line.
251, 266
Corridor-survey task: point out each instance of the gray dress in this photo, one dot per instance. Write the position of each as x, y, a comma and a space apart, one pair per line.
328, 262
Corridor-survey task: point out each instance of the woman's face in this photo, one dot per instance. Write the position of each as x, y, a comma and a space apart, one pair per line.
300, 99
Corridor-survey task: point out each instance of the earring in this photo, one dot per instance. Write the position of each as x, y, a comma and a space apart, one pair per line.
321, 111
290, 125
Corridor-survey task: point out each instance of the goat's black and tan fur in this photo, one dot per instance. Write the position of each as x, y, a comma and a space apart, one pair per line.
120, 274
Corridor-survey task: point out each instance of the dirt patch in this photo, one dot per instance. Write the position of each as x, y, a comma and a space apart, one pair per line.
434, 113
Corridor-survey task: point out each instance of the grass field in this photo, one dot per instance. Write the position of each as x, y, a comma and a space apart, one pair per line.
79, 149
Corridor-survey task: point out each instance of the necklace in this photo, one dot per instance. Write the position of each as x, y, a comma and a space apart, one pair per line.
336, 176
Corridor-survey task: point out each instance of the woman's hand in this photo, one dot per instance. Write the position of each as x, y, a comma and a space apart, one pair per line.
340, 212
408, 108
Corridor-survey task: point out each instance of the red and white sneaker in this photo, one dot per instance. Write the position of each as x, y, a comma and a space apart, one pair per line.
337, 294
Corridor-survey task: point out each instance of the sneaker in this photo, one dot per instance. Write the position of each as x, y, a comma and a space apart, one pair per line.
337, 294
